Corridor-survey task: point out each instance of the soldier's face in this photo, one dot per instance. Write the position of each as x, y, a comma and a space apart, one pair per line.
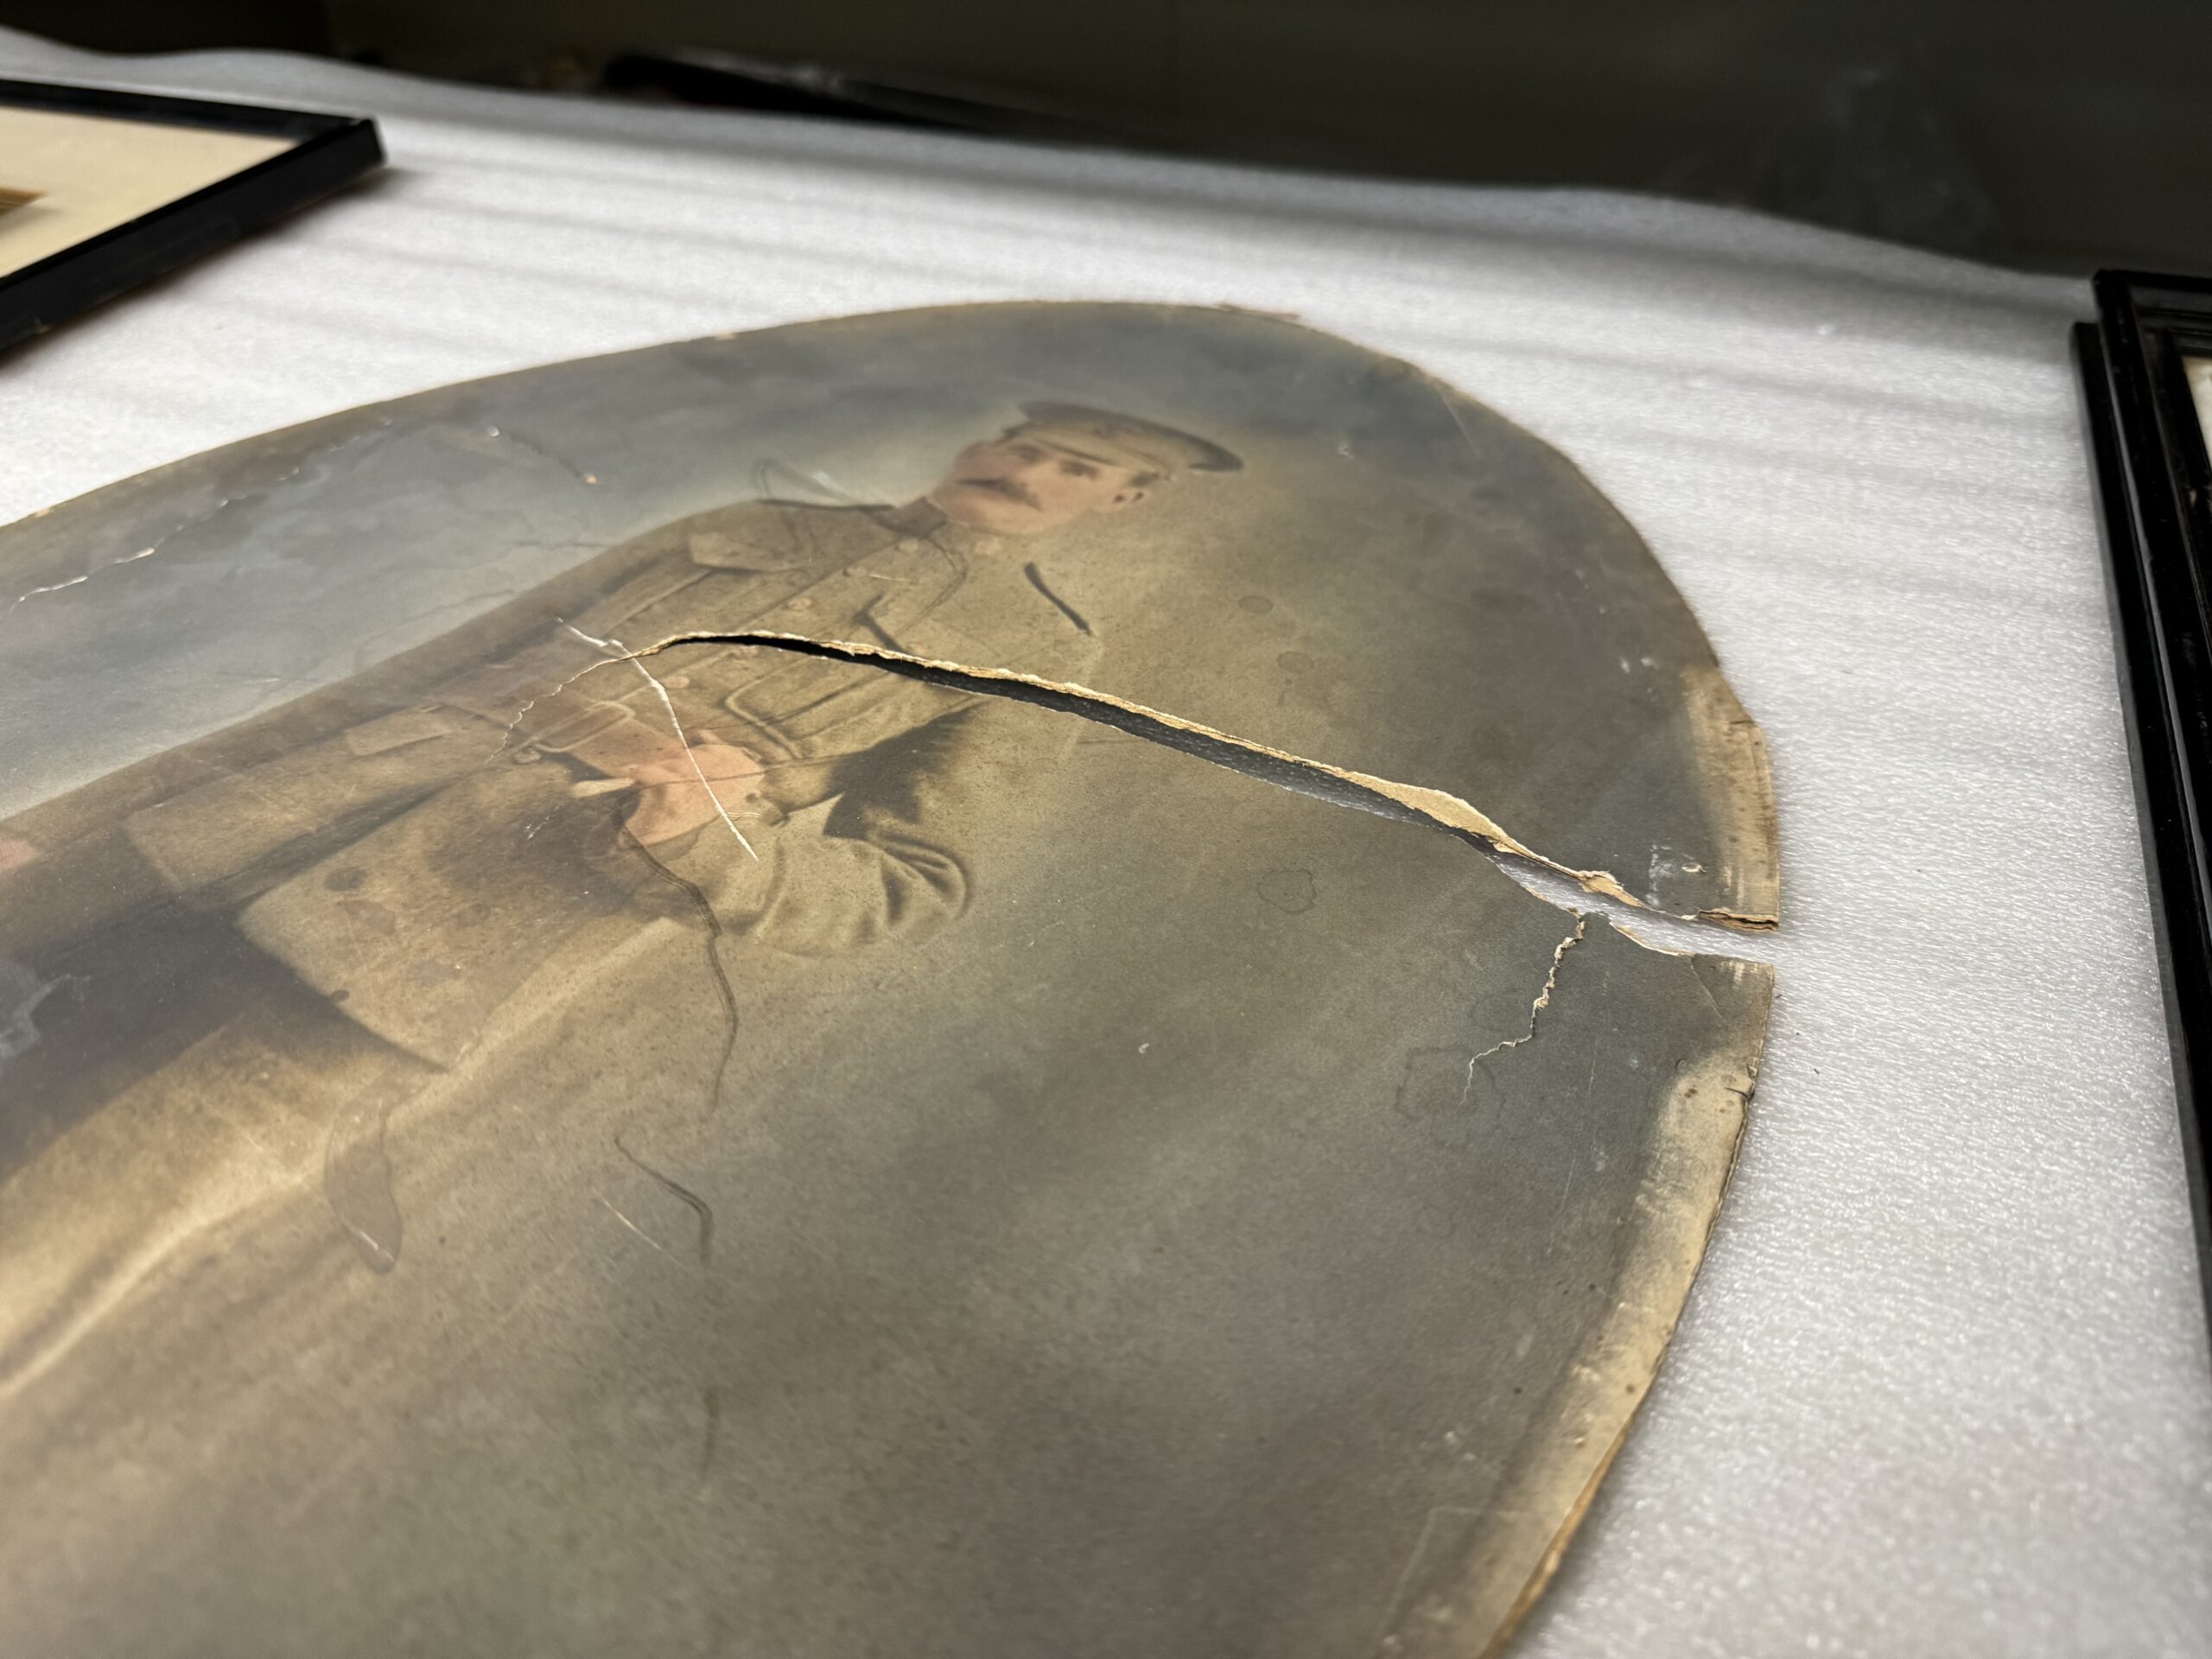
1026, 482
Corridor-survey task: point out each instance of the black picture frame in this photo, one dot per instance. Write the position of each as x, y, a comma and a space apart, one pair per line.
2153, 472
329, 152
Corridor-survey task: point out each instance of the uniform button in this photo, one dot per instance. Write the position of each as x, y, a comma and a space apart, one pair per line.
908, 544
677, 682
525, 755
802, 603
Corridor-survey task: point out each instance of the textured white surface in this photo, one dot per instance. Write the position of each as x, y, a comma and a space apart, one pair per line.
1943, 1386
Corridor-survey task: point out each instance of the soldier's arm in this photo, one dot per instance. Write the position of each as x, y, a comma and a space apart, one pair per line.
883, 844
892, 853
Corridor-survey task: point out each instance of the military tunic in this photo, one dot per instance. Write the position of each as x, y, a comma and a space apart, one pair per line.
425, 873
447, 850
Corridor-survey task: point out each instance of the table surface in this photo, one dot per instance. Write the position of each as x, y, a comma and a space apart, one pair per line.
1943, 1386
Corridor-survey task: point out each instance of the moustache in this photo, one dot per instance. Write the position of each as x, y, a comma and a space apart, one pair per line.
1005, 486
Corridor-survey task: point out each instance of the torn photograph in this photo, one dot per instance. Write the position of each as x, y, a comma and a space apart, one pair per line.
961, 982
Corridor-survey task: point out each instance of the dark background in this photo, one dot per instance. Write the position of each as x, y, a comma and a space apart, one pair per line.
2053, 134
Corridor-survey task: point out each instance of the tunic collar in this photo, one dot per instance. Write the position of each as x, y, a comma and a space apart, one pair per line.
923, 520
918, 520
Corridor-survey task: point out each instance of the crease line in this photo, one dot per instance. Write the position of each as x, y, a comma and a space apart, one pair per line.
222, 504
1535, 1008
683, 1194
634, 1228
661, 691
712, 938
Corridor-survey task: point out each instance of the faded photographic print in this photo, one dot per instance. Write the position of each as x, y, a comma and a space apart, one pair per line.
908, 985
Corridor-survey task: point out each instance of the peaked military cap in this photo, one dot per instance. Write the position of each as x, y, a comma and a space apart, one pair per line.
1131, 440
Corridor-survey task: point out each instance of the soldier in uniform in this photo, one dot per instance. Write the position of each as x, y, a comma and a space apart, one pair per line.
411, 872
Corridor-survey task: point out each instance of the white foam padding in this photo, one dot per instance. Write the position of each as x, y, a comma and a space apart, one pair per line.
1942, 1388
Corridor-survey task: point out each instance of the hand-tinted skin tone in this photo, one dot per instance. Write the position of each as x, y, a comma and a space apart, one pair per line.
1028, 481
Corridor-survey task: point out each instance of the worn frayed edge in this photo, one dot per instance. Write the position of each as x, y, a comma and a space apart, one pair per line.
1454, 406
1434, 805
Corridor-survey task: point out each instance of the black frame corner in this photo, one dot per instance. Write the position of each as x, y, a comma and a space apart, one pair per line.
2153, 472
330, 152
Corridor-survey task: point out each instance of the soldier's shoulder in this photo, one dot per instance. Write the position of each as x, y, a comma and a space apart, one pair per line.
770, 534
